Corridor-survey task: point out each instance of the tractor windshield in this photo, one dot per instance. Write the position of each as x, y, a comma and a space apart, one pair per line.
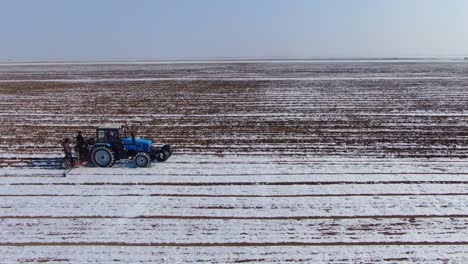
113, 136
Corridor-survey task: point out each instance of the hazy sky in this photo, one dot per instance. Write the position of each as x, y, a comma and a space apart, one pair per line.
145, 29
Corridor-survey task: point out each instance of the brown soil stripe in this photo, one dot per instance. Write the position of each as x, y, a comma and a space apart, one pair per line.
59, 172
237, 196
52, 161
292, 174
241, 218
393, 243
41, 175
240, 183
324, 161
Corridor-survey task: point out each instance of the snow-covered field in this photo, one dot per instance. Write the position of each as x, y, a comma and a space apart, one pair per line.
238, 209
323, 162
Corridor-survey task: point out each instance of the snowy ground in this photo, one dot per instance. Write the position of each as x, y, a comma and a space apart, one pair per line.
238, 209
343, 162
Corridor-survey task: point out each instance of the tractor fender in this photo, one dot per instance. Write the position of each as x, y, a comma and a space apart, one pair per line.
107, 145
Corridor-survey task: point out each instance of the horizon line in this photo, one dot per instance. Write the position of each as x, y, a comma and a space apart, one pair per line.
235, 58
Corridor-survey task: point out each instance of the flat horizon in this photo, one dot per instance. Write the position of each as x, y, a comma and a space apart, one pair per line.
214, 59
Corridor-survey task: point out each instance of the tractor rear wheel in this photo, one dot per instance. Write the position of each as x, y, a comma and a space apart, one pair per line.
142, 160
103, 157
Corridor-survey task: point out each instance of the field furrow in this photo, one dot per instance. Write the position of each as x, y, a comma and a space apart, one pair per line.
226, 254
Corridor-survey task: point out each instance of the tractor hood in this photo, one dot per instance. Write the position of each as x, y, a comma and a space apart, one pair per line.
138, 145
138, 141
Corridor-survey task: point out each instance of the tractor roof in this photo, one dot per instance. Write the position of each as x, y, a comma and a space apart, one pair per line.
109, 126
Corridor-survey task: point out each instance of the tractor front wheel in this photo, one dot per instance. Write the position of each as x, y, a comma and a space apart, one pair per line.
168, 149
65, 164
142, 160
103, 157
162, 155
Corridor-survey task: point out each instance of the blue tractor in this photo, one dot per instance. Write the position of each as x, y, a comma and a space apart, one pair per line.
115, 142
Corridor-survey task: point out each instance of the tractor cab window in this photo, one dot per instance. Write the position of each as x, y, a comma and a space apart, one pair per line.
101, 136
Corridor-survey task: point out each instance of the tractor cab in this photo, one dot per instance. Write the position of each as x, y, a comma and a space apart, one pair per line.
117, 137
109, 134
